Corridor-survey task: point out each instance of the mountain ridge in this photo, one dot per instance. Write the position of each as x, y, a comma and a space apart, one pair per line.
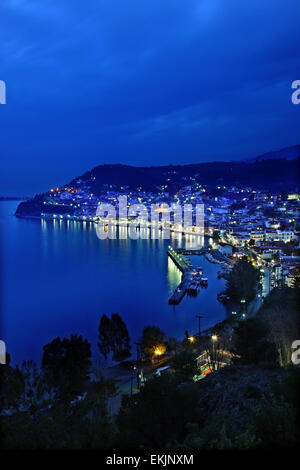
272, 174
289, 153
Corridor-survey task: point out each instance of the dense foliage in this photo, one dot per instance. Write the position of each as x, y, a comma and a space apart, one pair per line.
114, 338
251, 345
251, 404
184, 365
152, 338
66, 364
242, 281
157, 416
280, 312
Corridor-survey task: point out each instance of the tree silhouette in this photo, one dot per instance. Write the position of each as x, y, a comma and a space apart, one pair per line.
251, 345
157, 416
66, 364
153, 337
184, 365
104, 336
216, 236
242, 281
121, 341
113, 337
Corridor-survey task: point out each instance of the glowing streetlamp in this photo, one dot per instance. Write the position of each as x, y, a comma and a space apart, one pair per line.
244, 307
214, 338
158, 351
191, 339
199, 330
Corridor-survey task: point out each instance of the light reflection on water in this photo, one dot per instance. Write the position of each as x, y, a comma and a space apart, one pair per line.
59, 278
174, 275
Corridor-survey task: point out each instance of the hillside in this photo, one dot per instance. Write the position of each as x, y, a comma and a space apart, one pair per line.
271, 174
289, 153
274, 174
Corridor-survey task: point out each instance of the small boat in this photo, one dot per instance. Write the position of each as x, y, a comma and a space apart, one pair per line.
193, 289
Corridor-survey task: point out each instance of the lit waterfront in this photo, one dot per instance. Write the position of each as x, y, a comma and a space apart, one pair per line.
59, 278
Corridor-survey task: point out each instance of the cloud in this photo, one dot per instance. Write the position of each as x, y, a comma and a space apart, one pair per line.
121, 80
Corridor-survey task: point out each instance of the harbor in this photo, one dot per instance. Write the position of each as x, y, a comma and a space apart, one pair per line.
192, 277
133, 264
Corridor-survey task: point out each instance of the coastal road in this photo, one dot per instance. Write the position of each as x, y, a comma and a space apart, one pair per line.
125, 377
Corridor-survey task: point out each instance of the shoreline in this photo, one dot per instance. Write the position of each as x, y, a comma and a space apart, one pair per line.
91, 219
63, 226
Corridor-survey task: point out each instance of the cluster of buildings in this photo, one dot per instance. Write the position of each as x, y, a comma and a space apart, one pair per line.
82, 202
264, 223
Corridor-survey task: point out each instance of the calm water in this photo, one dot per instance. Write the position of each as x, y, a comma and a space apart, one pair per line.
58, 278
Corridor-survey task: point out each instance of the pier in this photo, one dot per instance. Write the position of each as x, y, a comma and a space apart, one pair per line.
180, 259
191, 277
184, 251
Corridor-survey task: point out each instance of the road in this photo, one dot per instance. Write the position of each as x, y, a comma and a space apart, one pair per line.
125, 377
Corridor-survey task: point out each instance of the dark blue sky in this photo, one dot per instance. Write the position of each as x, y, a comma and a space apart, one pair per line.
143, 82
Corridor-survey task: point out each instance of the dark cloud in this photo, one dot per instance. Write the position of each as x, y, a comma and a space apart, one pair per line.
143, 82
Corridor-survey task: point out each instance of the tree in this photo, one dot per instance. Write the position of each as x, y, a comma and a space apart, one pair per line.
113, 337
104, 336
184, 365
280, 311
157, 415
251, 345
12, 385
153, 339
275, 423
121, 341
173, 345
242, 281
251, 242
83, 424
36, 393
296, 278
66, 364
104, 388
216, 236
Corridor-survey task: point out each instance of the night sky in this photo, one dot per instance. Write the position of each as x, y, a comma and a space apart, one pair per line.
142, 82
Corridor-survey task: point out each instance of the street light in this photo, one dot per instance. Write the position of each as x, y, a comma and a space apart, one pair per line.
158, 351
191, 339
214, 338
244, 306
199, 317
131, 379
138, 363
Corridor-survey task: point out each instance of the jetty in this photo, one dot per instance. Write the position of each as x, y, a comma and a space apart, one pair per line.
197, 251
191, 276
